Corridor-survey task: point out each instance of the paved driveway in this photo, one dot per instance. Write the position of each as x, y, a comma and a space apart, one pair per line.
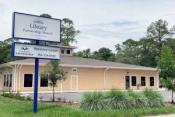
68, 96
76, 96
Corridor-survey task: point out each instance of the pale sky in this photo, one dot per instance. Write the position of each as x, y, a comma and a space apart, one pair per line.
102, 23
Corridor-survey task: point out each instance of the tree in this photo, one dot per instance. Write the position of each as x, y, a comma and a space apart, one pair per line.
5, 46
166, 64
54, 74
158, 31
146, 51
46, 15
85, 53
68, 32
104, 54
128, 52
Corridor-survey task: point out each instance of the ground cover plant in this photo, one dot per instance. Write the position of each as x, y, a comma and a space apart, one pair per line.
15, 96
121, 100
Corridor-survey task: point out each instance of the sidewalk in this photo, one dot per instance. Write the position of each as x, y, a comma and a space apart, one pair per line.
168, 115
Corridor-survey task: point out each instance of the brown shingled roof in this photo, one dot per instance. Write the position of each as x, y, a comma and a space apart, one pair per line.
71, 61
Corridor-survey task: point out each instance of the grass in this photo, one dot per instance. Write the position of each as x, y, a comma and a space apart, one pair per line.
17, 108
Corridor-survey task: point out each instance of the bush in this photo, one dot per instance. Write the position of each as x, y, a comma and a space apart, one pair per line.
93, 101
15, 96
116, 99
121, 100
154, 98
139, 100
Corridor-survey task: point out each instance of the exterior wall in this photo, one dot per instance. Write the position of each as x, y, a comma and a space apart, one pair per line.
147, 75
3, 71
85, 79
90, 79
30, 70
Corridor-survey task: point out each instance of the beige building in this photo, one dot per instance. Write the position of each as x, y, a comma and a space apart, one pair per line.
82, 75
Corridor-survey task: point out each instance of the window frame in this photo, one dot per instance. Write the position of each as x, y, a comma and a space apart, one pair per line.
135, 83
62, 51
7, 80
5, 77
74, 68
10, 80
44, 79
32, 80
67, 51
143, 81
150, 82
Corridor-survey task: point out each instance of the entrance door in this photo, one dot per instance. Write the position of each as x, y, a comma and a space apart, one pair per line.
74, 83
127, 82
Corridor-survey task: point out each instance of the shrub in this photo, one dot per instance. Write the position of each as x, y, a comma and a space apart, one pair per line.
139, 100
15, 96
28, 98
93, 101
154, 98
116, 99
121, 100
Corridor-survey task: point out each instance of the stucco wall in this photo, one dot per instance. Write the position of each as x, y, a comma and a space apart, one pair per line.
86, 79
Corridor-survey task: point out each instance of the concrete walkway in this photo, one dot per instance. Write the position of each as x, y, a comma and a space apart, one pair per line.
169, 115
76, 96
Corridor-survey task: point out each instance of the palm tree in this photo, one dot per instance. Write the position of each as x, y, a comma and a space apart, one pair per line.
54, 73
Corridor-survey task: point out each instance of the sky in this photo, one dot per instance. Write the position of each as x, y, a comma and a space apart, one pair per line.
102, 23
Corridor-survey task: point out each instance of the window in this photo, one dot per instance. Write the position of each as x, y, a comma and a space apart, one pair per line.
4, 80
133, 80
28, 79
67, 51
44, 82
151, 81
7, 80
74, 69
10, 81
62, 51
143, 81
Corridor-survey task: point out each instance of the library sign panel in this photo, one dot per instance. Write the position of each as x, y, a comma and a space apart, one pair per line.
33, 27
36, 51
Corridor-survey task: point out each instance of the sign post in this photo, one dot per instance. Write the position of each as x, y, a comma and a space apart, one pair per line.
35, 95
33, 27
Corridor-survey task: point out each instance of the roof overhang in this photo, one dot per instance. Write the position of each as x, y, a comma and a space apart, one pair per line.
80, 66
88, 66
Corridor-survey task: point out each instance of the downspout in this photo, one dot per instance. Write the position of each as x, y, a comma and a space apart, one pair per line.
104, 78
17, 77
20, 66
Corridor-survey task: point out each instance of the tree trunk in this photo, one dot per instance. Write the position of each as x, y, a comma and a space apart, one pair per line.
172, 97
53, 98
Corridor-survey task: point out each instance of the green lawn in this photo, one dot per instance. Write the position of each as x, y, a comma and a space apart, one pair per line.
16, 108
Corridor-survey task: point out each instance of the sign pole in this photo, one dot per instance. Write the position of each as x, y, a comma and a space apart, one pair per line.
35, 98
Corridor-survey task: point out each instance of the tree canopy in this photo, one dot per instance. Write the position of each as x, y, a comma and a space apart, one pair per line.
144, 51
166, 64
